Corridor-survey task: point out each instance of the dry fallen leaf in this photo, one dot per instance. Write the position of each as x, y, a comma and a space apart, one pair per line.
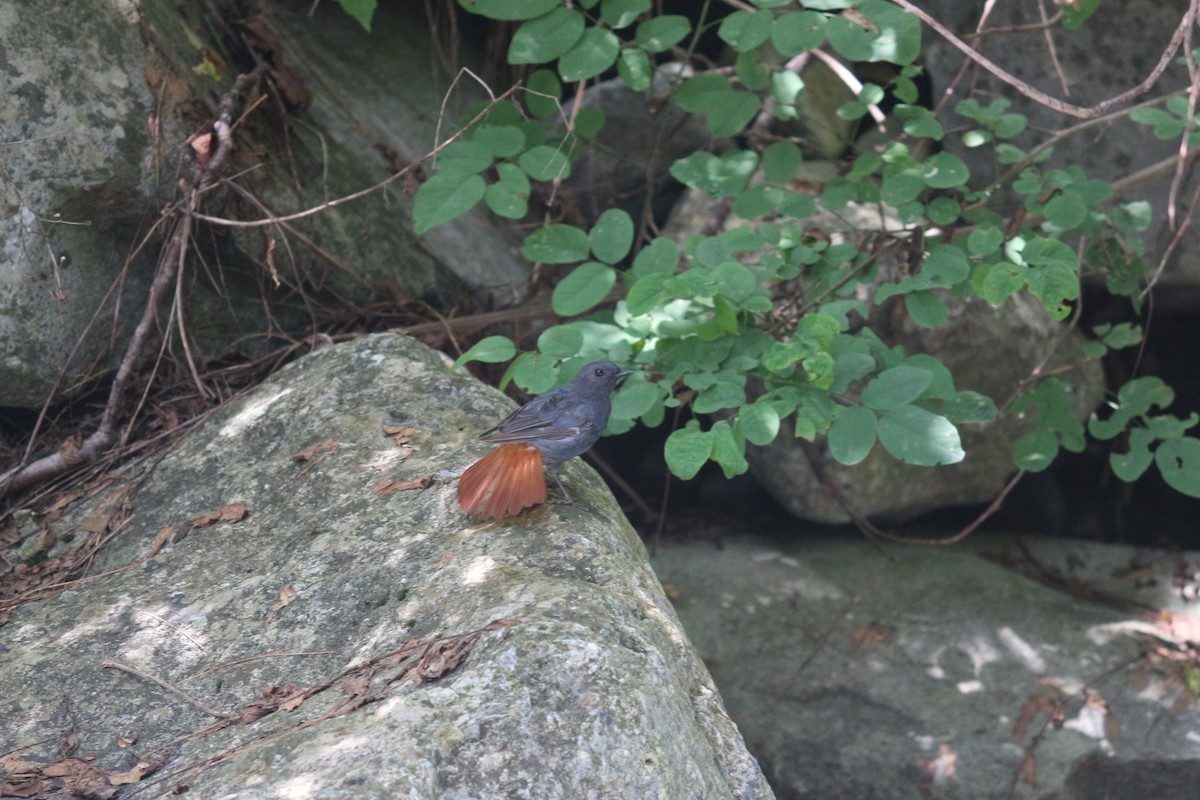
382, 488
233, 512
286, 594
871, 635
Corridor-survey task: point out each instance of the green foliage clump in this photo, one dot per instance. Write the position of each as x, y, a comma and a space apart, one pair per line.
756, 322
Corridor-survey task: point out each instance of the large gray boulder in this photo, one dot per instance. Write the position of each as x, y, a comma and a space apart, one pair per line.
341, 630
1003, 668
95, 140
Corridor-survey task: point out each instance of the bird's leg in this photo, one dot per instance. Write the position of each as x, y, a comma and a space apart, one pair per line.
568, 500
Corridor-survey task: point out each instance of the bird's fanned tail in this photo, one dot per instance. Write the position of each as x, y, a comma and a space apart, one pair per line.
503, 482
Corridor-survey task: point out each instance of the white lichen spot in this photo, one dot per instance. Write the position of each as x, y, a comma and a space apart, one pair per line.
477, 571
251, 414
970, 687
1022, 650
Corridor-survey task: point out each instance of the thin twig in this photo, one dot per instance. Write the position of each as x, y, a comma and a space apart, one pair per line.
212, 712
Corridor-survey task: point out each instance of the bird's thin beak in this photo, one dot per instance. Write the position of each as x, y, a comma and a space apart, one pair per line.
623, 373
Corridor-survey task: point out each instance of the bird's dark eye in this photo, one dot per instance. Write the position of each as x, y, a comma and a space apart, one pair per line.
598, 372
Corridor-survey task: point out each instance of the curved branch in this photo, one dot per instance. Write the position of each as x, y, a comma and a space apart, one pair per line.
1041, 97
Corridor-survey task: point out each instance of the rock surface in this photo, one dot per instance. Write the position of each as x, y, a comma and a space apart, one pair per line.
934, 672
335, 634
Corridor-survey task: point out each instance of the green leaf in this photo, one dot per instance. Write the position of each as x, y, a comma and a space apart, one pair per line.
1065, 211
646, 293
509, 10
611, 236
728, 450
1076, 13
798, 32
1129, 466
543, 93
893, 34
556, 244
687, 449
446, 195
622, 13
1035, 451
734, 111
943, 210
926, 309
509, 196
903, 186
759, 423
967, 406
852, 435
561, 341
780, 162
757, 201
490, 351
360, 10
586, 286
721, 394
545, 163
919, 122
547, 37
595, 52
660, 256
746, 30
985, 241
534, 372
896, 387
662, 33
634, 68
636, 397
702, 93
944, 171
718, 177
502, 141
920, 437
1179, 462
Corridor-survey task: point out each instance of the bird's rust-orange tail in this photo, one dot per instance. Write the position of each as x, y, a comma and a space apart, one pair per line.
503, 482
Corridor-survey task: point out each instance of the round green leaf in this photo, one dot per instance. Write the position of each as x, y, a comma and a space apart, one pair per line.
780, 162
661, 255
636, 397
509, 196
502, 141
902, 187
926, 309
544, 93
545, 163
662, 33
759, 423
852, 435
686, 451
534, 372
1065, 211
1035, 451
735, 111
944, 171
556, 244
595, 52
546, 38
798, 32
984, 241
1179, 462
728, 449
611, 236
634, 68
465, 157
445, 196
509, 10
586, 286
920, 437
896, 387
721, 394
1130, 466
560, 341
943, 210
489, 350
746, 30
622, 13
